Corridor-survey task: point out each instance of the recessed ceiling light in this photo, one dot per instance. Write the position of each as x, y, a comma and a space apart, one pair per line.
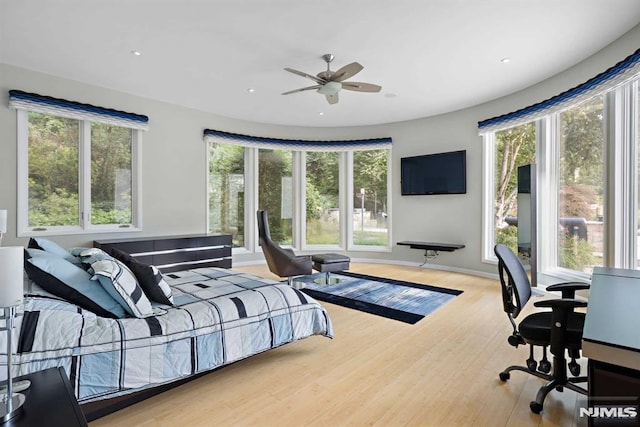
136, 53
320, 113
505, 60
251, 90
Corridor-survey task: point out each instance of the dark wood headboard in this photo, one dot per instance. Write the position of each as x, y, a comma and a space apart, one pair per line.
175, 253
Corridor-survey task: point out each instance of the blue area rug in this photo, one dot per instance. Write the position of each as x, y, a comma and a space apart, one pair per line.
403, 301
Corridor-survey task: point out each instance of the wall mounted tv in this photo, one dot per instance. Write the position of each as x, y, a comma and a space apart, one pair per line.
441, 173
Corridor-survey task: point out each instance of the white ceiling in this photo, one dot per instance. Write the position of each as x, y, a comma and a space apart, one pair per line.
429, 56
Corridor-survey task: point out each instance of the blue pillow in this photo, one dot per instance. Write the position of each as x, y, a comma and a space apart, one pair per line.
70, 282
53, 249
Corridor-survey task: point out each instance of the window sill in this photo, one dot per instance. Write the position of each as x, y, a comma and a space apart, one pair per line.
68, 232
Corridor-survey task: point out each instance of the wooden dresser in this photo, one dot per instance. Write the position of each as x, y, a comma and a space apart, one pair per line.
174, 253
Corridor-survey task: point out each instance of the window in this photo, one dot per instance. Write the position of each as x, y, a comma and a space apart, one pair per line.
275, 192
111, 174
581, 187
514, 147
78, 166
226, 191
370, 184
310, 190
76, 175
322, 198
54, 147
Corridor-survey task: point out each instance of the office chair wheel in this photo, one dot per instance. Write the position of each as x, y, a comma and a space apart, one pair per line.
514, 340
574, 368
545, 366
535, 407
504, 376
532, 364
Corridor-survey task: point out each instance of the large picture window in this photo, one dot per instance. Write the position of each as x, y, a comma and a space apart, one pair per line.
581, 187
317, 194
226, 191
322, 198
514, 147
370, 184
275, 192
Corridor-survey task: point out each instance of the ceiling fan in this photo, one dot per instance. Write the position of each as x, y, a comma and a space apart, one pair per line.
329, 83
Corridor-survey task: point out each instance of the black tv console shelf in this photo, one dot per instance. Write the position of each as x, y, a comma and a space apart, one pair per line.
431, 249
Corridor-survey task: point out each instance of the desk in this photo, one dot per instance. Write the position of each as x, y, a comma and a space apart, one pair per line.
49, 401
431, 249
611, 339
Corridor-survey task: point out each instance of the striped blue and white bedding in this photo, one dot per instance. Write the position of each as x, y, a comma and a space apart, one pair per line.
220, 316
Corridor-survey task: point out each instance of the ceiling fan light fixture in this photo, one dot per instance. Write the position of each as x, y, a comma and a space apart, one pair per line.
330, 88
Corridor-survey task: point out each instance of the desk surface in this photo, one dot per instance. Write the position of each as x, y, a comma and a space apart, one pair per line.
613, 317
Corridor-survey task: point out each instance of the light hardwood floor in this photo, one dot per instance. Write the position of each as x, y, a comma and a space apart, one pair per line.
442, 371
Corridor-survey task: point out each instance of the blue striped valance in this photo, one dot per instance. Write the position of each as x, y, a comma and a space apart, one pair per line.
61, 107
622, 72
221, 137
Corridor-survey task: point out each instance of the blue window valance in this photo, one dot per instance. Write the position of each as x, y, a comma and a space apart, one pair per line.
222, 137
61, 107
622, 72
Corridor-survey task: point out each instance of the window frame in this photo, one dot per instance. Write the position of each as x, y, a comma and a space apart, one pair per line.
84, 183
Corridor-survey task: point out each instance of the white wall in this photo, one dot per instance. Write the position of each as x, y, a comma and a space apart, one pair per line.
174, 170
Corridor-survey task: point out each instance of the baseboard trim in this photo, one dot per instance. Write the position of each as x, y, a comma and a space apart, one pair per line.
398, 262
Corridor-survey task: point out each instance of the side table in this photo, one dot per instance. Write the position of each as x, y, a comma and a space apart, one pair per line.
49, 401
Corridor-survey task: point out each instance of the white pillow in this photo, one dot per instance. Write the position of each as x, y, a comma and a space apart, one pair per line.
122, 285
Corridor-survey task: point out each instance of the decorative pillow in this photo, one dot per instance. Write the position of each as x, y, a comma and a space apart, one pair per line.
70, 282
90, 255
53, 249
122, 285
149, 277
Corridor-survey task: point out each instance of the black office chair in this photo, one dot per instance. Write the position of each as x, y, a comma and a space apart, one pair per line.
560, 328
281, 261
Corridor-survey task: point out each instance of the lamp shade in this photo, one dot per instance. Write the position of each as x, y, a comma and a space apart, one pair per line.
3, 220
11, 265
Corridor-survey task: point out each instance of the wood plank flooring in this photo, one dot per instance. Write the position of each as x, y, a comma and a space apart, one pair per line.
442, 371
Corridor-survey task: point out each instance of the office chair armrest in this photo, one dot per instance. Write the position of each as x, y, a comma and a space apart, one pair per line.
568, 289
564, 304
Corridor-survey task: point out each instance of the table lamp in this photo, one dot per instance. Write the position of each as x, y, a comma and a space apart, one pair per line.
11, 294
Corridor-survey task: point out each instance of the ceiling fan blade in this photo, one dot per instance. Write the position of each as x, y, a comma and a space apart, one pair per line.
303, 89
361, 87
332, 99
347, 71
309, 76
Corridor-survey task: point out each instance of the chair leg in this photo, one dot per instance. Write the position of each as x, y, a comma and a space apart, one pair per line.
559, 380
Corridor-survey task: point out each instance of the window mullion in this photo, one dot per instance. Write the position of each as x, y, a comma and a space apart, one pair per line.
547, 158
488, 195
620, 185
84, 171
251, 198
299, 194
348, 212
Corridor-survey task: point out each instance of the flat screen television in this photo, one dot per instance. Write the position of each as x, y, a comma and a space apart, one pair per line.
441, 173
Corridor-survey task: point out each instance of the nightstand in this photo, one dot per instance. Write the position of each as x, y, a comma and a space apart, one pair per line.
50, 402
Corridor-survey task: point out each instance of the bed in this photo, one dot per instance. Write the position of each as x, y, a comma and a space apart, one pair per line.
219, 316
